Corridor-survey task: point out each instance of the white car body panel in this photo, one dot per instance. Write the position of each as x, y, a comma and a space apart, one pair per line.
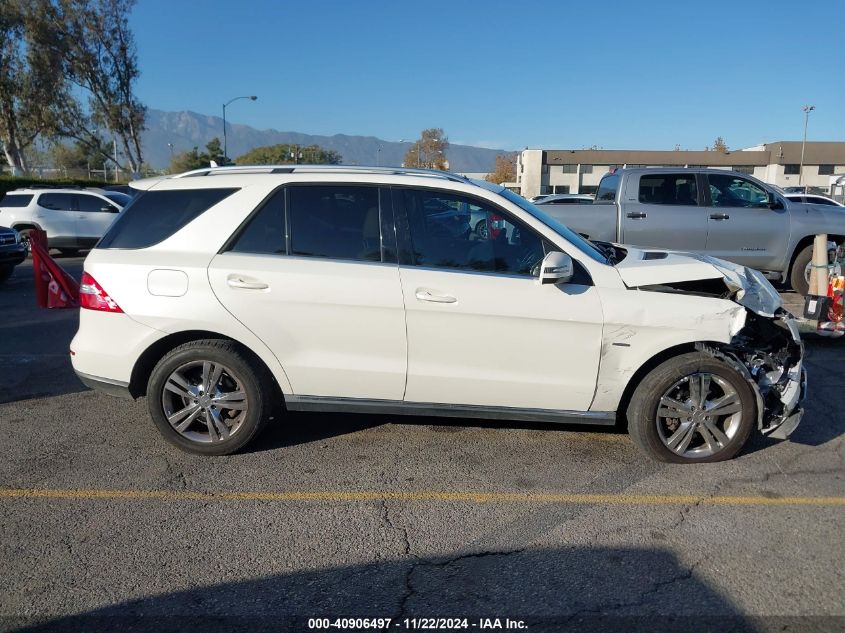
504, 341
338, 327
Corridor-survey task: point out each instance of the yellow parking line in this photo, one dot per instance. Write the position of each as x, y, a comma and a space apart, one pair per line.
422, 495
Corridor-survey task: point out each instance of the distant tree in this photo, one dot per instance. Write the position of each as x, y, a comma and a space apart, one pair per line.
194, 159
214, 150
286, 153
505, 169
429, 152
719, 145
79, 155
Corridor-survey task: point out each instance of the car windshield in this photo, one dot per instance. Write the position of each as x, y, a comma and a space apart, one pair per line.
571, 236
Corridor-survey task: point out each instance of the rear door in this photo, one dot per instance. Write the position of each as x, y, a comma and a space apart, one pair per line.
664, 210
310, 275
57, 216
94, 215
741, 227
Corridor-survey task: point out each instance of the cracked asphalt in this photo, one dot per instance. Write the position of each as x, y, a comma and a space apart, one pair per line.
366, 516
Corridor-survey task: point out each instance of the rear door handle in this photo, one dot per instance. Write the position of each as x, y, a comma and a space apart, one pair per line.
636, 215
424, 294
239, 282
719, 216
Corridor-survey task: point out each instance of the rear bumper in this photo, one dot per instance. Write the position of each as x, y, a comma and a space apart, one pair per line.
105, 385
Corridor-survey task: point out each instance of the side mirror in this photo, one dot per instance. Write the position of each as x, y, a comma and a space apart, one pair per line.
556, 268
774, 203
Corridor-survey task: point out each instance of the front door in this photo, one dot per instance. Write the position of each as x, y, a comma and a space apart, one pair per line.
481, 330
311, 278
662, 210
91, 218
741, 227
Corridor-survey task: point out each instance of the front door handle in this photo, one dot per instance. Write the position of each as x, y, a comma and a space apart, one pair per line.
636, 215
239, 282
719, 216
424, 294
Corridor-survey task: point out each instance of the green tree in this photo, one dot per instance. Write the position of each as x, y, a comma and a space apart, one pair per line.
78, 155
429, 151
505, 170
194, 159
30, 86
286, 153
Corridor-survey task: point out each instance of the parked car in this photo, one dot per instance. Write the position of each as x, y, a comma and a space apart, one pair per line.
74, 219
537, 199
223, 293
12, 251
812, 199
124, 189
716, 212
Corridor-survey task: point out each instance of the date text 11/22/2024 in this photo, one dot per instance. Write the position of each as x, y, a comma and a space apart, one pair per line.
382, 624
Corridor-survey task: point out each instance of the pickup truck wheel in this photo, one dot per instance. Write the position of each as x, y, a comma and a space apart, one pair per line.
799, 276
692, 408
207, 397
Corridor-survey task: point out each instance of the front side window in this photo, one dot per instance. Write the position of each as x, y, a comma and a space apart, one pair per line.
335, 221
607, 189
56, 201
733, 191
670, 189
455, 232
91, 204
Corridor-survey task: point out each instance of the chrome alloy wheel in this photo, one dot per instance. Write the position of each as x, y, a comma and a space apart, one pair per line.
204, 401
699, 415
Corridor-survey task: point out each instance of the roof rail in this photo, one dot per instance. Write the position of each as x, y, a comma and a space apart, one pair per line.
316, 169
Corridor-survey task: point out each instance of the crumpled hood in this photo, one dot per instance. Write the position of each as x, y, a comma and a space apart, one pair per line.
654, 267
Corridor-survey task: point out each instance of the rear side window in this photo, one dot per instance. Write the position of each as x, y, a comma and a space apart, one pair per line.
672, 189
335, 221
58, 201
153, 216
607, 189
15, 200
265, 232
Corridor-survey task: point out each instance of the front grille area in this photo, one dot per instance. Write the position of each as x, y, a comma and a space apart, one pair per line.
7, 238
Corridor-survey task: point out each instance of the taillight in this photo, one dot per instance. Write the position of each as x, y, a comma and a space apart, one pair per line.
93, 297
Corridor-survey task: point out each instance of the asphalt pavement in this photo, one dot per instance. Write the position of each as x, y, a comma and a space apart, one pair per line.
103, 525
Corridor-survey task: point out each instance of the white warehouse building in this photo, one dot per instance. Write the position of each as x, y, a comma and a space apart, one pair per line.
541, 171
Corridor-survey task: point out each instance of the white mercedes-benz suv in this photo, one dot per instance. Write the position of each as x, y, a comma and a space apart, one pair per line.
222, 293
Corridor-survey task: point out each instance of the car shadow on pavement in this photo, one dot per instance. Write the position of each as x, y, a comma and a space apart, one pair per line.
571, 588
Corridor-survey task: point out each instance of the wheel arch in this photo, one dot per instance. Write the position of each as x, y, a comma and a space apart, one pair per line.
807, 240
148, 359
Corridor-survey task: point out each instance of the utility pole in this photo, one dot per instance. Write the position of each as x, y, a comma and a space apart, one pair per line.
807, 109
225, 148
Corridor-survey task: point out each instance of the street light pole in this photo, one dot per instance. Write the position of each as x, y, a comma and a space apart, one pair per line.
225, 148
807, 109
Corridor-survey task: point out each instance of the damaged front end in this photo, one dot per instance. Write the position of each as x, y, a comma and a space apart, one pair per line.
768, 352
766, 348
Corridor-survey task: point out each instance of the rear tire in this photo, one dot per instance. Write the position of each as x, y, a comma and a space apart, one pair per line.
797, 276
693, 428
217, 398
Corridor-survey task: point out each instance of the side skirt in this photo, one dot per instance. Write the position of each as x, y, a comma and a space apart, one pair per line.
399, 407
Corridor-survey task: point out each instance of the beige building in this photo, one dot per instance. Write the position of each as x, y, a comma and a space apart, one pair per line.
541, 171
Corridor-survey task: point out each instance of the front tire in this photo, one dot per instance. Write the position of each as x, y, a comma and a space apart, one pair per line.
208, 397
692, 408
798, 275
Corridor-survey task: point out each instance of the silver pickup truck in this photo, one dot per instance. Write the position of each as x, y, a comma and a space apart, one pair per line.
720, 213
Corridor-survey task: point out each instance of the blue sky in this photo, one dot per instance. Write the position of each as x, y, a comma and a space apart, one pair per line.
563, 74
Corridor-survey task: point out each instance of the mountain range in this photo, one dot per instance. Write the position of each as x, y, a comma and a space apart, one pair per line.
185, 130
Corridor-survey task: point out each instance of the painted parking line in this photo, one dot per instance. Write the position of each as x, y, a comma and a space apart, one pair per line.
422, 495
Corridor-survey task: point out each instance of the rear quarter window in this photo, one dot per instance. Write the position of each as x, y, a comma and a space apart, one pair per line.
607, 189
15, 200
153, 216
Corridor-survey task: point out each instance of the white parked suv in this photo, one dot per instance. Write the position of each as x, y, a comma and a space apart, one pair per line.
73, 219
222, 293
